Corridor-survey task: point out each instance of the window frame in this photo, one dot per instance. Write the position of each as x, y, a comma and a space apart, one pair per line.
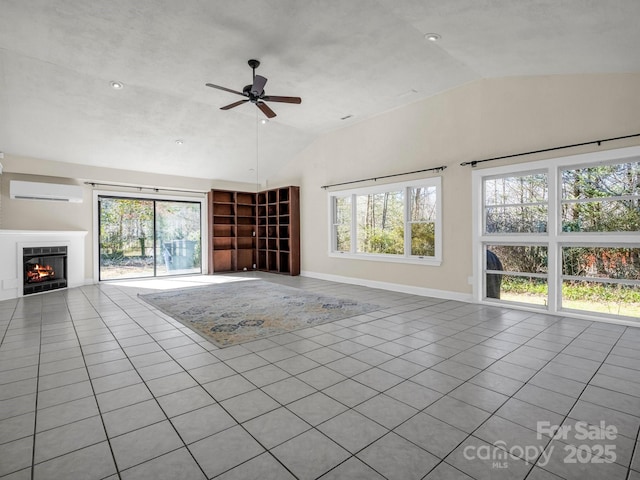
555, 238
435, 260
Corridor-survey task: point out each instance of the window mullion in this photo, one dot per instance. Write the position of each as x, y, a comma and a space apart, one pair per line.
354, 224
407, 224
554, 259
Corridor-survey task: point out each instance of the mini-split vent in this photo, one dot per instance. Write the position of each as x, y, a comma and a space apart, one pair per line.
52, 192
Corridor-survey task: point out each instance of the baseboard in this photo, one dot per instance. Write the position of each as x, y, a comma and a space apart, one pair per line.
393, 287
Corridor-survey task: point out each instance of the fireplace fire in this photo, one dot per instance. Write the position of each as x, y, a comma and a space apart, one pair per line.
39, 273
44, 269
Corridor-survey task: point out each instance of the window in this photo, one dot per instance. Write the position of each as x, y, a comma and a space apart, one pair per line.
422, 218
603, 198
398, 222
561, 234
517, 273
516, 204
380, 223
601, 279
342, 224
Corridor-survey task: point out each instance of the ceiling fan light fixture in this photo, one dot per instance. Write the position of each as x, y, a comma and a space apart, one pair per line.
432, 37
117, 85
264, 121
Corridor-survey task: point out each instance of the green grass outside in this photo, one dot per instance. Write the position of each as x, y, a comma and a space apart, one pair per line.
589, 297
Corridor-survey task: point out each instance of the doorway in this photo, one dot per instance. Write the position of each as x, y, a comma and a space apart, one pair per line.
142, 237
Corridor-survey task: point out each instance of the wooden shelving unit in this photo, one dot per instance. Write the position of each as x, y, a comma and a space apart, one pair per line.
222, 231
279, 230
255, 231
245, 231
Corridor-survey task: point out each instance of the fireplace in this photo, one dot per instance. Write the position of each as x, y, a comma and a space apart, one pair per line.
45, 268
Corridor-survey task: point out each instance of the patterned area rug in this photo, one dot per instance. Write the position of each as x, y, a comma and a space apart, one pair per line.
238, 312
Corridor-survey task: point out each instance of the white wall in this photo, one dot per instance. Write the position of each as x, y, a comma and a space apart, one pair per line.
483, 119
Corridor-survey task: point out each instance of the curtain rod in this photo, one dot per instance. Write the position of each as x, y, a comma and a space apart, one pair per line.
473, 163
438, 169
155, 189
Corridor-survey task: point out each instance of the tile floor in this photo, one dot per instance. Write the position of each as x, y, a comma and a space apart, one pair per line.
96, 384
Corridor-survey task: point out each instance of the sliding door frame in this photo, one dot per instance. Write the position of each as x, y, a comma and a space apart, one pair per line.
204, 238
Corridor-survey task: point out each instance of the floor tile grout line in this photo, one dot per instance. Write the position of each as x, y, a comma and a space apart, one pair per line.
634, 452
95, 398
4, 334
404, 379
184, 444
469, 326
509, 396
587, 384
216, 403
577, 399
281, 406
443, 460
35, 415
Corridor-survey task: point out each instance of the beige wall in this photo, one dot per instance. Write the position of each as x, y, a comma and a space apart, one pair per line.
479, 120
46, 215
483, 119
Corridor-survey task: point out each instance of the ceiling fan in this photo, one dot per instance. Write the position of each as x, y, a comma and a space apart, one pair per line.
255, 93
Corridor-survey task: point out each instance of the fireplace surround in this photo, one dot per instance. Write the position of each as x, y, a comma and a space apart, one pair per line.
14, 244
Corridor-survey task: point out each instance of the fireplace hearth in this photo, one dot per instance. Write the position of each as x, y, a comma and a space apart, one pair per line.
45, 268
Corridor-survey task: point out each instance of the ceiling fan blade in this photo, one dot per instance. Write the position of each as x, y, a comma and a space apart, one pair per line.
266, 110
235, 104
225, 89
258, 85
274, 98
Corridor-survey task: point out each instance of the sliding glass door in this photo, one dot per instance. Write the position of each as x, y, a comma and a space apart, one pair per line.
145, 237
177, 236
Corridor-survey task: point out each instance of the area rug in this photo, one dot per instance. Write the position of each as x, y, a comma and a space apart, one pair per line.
237, 312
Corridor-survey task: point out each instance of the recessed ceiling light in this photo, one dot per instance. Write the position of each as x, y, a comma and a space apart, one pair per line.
179, 142
117, 85
432, 37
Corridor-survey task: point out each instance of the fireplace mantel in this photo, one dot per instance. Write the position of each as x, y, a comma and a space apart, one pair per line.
13, 241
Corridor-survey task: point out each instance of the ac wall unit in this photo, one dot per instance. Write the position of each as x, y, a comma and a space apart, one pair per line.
45, 191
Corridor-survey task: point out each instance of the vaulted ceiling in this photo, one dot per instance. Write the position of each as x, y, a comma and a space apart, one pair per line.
345, 58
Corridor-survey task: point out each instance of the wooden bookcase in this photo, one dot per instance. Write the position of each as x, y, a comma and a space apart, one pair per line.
245, 231
251, 231
279, 230
222, 231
